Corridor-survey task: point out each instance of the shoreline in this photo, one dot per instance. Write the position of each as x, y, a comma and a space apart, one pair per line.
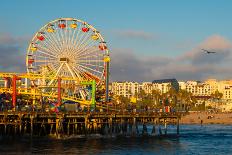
206, 118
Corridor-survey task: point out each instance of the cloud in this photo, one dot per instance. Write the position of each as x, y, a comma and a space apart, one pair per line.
134, 34
191, 65
12, 53
215, 43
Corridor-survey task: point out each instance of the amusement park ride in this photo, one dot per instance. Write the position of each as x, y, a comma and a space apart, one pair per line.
67, 60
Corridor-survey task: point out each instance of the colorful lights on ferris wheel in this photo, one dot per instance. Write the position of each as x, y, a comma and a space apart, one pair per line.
50, 28
73, 25
95, 35
62, 24
85, 27
107, 58
33, 47
31, 60
40, 36
102, 46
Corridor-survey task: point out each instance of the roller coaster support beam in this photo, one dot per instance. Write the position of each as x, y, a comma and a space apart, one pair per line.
59, 99
14, 90
107, 82
93, 101
93, 92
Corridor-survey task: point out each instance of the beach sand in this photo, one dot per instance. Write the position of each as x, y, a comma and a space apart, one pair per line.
206, 118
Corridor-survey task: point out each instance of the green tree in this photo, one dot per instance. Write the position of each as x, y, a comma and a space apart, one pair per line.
185, 99
156, 96
216, 95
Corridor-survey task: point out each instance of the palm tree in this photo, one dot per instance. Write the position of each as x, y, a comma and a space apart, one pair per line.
172, 95
185, 99
216, 95
156, 96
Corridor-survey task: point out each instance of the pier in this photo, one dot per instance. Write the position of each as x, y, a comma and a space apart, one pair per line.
61, 125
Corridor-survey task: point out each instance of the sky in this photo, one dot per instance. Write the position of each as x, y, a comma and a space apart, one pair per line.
147, 39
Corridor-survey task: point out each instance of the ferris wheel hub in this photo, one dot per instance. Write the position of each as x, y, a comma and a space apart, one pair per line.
64, 60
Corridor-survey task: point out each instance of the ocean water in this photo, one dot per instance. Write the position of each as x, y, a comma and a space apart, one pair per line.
193, 139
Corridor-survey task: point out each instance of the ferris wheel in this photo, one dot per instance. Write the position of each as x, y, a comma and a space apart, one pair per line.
68, 47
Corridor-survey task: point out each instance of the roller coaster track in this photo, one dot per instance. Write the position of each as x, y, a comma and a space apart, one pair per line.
33, 92
37, 91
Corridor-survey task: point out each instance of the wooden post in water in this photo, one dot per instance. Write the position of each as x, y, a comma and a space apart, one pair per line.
178, 128
134, 127
86, 125
160, 131
153, 131
57, 126
111, 125
31, 122
20, 124
165, 126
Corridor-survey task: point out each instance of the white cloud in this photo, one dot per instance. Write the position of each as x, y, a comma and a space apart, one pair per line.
194, 64
12, 53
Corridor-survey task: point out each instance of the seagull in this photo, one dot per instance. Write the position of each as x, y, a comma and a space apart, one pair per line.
208, 52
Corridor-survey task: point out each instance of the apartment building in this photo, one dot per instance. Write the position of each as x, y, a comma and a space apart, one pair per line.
198, 89
126, 89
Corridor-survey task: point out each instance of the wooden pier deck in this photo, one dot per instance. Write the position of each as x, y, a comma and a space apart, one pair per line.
85, 123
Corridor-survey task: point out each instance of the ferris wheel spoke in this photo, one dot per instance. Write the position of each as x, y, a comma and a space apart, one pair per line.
77, 73
54, 38
86, 41
72, 39
53, 43
88, 52
83, 73
88, 68
66, 33
88, 64
73, 75
69, 32
48, 46
43, 47
78, 36
56, 73
47, 61
80, 61
83, 41
43, 57
91, 55
58, 36
46, 53
61, 38
87, 35
86, 46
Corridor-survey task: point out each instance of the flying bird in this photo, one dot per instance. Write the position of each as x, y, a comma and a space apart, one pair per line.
208, 52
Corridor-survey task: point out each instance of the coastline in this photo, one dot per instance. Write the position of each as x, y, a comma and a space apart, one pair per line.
207, 118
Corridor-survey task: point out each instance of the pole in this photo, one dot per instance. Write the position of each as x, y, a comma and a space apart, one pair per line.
107, 82
93, 101
59, 99
14, 93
